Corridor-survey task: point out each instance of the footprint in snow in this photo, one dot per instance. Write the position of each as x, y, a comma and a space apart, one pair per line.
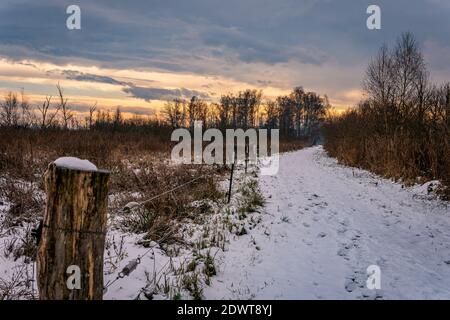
345, 248
369, 294
356, 237
355, 281
350, 285
342, 230
342, 252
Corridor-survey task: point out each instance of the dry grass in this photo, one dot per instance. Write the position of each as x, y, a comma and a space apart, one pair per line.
409, 153
18, 286
287, 145
160, 216
402, 127
27, 152
139, 162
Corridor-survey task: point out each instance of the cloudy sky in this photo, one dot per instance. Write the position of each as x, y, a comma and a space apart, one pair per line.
138, 53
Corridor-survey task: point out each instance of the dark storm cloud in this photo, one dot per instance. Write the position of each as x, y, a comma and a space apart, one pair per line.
81, 76
144, 93
149, 94
143, 111
172, 35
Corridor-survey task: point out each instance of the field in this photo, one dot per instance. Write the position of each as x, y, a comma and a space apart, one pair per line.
183, 229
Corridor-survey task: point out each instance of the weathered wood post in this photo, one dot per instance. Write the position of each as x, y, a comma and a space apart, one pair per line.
73, 232
247, 153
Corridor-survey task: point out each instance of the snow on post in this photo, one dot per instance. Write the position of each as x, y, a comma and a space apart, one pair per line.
75, 164
70, 253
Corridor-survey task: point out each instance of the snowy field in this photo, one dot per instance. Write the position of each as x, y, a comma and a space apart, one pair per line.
324, 224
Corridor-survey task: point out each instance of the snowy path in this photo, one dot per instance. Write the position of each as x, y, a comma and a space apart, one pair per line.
324, 225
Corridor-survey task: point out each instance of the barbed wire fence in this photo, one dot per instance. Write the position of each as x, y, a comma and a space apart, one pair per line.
133, 264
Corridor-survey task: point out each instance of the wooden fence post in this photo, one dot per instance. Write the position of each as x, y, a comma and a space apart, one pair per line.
231, 183
247, 154
73, 233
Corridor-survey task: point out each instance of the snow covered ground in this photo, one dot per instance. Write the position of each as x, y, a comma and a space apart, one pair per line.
324, 224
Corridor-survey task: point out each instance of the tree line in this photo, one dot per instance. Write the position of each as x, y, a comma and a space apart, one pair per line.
401, 128
296, 115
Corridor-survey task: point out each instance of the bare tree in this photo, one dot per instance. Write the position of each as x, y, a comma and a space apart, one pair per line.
47, 117
117, 120
197, 109
379, 79
271, 114
226, 110
43, 110
67, 114
409, 69
26, 115
9, 110
401, 129
248, 102
286, 115
396, 83
91, 114
175, 113
297, 98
